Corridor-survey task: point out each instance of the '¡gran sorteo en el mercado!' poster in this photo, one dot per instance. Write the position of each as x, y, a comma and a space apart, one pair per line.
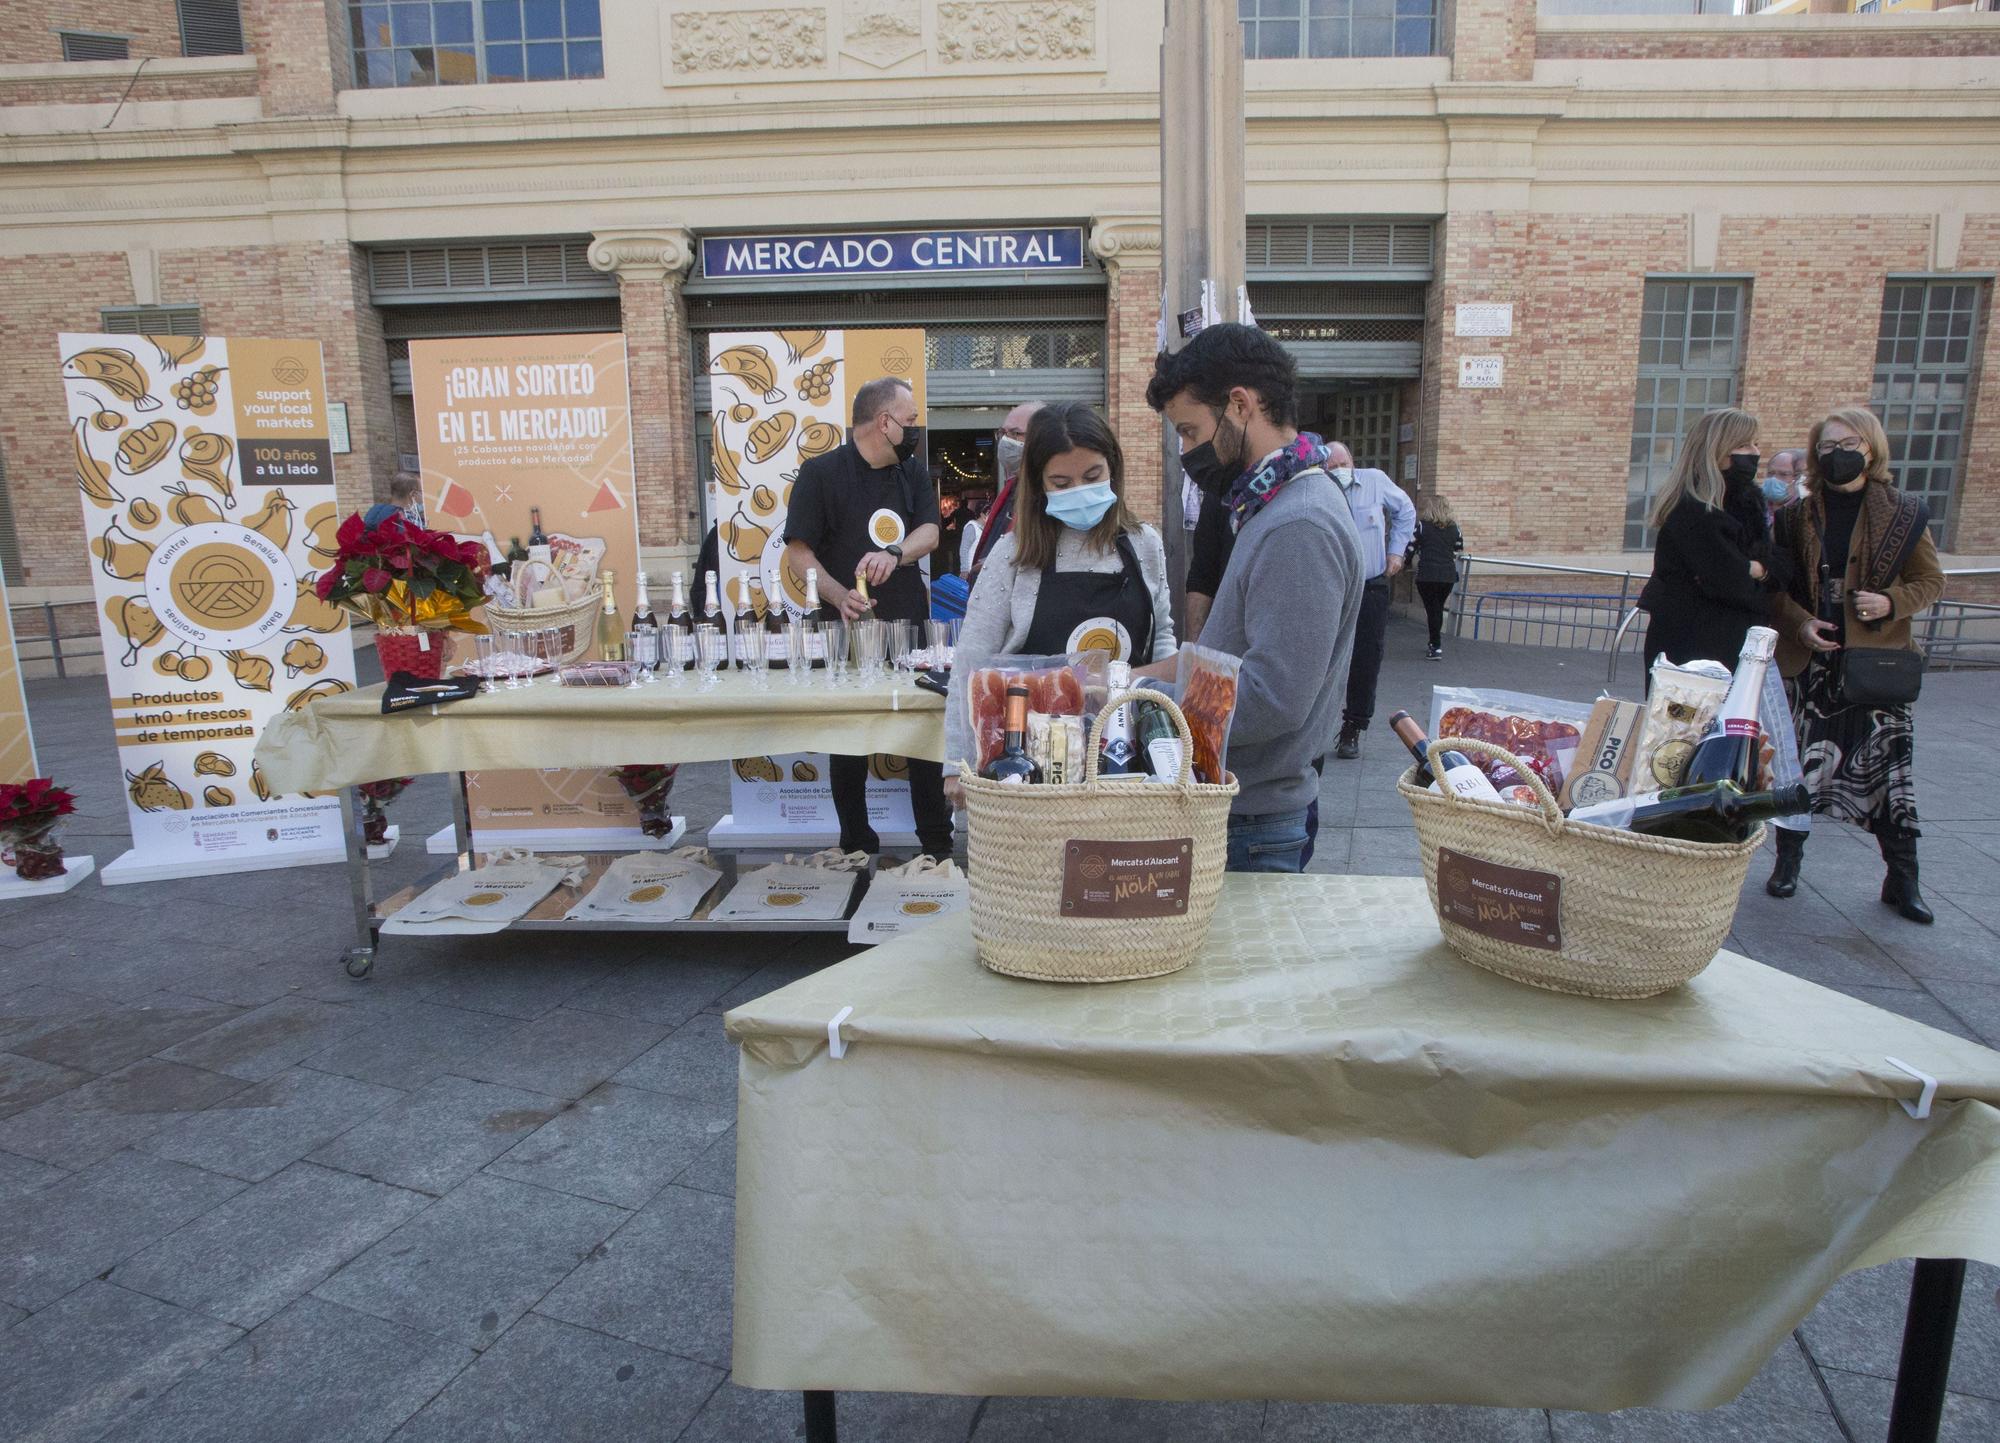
205, 472
508, 426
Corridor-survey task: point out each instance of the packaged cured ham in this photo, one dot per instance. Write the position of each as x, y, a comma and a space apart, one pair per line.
1546, 732
1057, 686
1207, 683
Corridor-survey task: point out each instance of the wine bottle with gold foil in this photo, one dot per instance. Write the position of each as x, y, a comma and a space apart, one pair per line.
610, 629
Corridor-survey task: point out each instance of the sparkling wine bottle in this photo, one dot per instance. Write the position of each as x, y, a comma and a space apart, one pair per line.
1712, 812
1734, 743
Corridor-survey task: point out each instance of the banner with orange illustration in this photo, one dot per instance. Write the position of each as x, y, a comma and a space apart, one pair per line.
17, 738
781, 398
206, 472
509, 427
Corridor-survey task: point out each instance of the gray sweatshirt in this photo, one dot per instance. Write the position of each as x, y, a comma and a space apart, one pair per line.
1287, 606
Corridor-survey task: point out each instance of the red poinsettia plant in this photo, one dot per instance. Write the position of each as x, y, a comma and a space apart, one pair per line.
396, 574
29, 807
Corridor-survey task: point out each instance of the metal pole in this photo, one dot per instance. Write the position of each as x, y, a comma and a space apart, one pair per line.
55, 641
1202, 208
1928, 1331
821, 1426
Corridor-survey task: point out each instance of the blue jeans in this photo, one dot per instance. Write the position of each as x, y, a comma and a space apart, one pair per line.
1274, 842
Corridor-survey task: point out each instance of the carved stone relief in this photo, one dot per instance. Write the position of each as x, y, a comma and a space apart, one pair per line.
882, 33
984, 32
760, 40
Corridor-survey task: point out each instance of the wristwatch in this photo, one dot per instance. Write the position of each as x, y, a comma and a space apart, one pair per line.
895, 551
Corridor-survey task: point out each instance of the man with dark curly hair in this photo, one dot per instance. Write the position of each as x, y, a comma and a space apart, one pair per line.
1287, 602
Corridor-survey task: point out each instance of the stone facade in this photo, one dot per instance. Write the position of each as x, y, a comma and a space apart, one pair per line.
1561, 162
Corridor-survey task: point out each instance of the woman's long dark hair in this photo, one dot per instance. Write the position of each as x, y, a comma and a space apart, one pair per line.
1065, 426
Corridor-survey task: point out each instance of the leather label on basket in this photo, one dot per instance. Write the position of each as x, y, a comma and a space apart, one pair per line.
1127, 879
1506, 904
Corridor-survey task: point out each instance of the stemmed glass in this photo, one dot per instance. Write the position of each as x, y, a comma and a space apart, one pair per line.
484, 643
633, 642
871, 642
647, 653
515, 649
712, 649
799, 634
903, 645
941, 640
838, 636
750, 656
675, 647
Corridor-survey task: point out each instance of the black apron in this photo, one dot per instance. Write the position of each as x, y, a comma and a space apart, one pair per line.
1070, 598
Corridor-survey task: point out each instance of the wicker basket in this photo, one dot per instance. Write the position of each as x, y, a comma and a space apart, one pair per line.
1023, 843
576, 619
1632, 915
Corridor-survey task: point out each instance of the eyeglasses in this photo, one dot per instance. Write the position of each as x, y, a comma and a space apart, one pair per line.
1851, 444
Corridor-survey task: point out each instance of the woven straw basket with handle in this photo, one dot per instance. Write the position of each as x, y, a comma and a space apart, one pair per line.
1023, 842
1630, 915
577, 620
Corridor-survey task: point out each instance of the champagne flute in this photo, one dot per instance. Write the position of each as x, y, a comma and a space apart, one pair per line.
484, 643
750, 654
633, 643
799, 632
839, 635
511, 660
648, 654
712, 643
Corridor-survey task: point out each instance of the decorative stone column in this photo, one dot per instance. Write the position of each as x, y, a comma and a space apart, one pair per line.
650, 264
1129, 247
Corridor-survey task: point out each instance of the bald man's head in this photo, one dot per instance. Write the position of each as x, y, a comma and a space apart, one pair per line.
1016, 424
1339, 455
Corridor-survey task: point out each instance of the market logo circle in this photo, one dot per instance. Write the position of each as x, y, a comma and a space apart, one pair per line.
221, 586
1094, 867
896, 361
289, 371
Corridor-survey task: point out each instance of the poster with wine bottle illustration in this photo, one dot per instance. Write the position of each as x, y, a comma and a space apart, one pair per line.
778, 399
512, 432
205, 469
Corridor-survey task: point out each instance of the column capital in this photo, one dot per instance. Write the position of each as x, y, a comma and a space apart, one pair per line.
1126, 241
648, 253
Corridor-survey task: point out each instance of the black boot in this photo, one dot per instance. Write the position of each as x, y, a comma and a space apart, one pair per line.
1899, 887
1791, 852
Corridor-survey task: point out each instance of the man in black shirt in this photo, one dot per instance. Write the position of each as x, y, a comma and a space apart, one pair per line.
867, 508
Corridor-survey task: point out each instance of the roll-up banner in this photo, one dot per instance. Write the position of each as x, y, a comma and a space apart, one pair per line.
780, 398
206, 473
506, 426
17, 737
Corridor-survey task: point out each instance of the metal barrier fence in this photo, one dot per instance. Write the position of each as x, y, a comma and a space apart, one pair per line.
1605, 618
57, 645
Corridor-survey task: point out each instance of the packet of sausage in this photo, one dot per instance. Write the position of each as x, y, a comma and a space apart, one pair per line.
1057, 686
1680, 704
1206, 686
1546, 732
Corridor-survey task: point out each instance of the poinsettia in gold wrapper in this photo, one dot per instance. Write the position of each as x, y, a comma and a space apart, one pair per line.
402, 577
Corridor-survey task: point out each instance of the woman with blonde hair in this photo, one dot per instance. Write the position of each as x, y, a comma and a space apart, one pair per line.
1860, 566
1437, 545
1710, 581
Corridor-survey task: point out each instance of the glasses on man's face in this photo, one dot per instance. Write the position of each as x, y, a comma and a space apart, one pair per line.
1851, 444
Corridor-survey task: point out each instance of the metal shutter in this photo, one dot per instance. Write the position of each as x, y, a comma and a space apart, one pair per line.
1344, 329
523, 270
79, 46
211, 27
152, 320
403, 324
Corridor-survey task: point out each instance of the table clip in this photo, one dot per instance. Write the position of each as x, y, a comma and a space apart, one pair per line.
839, 1048
1919, 1109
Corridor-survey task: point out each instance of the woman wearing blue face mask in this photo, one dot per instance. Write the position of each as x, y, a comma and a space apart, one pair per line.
1078, 571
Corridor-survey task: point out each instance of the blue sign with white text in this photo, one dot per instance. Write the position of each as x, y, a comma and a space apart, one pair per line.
887, 253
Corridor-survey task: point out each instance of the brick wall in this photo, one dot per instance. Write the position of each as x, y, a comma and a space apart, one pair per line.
304, 53
657, 370
28, 28
1491, 39
1817, 44
1978, 531
1131, 339
109, 89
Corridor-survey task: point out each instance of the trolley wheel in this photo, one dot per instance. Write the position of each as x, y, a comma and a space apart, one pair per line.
360, 962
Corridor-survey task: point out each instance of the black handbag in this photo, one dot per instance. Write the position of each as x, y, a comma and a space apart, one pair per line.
1881, 677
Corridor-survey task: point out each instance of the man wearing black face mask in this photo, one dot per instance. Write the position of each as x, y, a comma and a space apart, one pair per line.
1287, 600
866, 508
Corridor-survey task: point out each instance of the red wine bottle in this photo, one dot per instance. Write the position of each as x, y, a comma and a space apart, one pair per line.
1461, 773
1732, 748
1713, 812
1014, 764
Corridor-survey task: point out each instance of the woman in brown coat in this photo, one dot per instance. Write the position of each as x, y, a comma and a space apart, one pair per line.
1860, 566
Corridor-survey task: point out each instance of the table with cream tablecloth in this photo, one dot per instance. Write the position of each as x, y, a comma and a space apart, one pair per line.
1329, 1161
340, 740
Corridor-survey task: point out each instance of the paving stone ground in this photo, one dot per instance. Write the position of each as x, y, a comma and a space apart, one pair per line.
489, 1192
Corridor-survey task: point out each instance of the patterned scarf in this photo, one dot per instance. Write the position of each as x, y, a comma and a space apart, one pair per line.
1255, 488
1885, 533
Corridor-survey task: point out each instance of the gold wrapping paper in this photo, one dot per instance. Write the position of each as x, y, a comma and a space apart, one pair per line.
1328, 1161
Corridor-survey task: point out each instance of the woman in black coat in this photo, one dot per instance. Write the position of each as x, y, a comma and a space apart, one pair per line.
1437, 545
1711, 580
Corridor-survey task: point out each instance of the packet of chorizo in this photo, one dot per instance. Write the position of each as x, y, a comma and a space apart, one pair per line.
1206, 684
1546, 732
1057, 686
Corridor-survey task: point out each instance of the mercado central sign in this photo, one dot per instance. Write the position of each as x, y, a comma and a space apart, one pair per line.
915, 252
